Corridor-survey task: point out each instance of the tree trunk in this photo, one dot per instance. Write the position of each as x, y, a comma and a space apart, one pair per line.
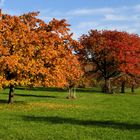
132, 89
123, 87
11, 94
70, 93
74, 93
109, 86
106, 87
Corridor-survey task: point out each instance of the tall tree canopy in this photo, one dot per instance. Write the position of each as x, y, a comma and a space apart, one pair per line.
35, 53
111, 53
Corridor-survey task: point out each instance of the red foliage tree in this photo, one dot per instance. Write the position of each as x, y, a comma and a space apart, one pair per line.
129, 57
111, 53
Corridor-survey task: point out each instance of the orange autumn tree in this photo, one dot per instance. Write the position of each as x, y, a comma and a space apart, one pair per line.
62, 48
35, 53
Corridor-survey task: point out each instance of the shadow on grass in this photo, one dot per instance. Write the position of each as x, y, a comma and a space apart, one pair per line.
42, 89
90, 90
104, 124
53, 89
31, 95
2, 101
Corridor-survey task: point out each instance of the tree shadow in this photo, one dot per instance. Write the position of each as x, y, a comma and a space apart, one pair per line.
51, 89
54, 89
31, 95
86, 90
92, 123
2, 101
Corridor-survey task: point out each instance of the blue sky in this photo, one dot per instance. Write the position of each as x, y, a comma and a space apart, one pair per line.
83, 15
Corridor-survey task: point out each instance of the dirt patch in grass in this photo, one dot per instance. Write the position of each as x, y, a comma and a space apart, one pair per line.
38, 105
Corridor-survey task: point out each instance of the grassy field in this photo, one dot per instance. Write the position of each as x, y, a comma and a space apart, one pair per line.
41, 114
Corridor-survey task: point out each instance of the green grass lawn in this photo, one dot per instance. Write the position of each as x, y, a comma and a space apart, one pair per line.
41, 114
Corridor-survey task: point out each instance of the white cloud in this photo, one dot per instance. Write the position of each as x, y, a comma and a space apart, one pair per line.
127, 28
45, 18
132, 17
116, 17
2, 2
83, 12
88, 24
110, 13
116, 27
84, 28
137, 25
122, 18
136, 7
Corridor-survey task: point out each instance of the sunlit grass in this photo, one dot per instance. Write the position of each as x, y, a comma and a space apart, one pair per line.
46, 114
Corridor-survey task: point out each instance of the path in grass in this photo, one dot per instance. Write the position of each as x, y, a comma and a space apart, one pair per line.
46, 115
